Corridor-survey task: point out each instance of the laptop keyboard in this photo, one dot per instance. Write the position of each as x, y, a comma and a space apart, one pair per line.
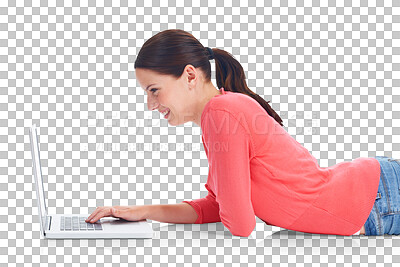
76, 223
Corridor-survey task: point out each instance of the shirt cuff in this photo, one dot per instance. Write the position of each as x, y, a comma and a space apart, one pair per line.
197, 208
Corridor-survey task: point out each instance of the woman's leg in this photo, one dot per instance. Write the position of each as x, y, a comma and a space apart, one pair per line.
385, 215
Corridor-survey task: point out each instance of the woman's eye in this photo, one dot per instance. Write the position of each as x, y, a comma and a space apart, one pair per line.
153, 90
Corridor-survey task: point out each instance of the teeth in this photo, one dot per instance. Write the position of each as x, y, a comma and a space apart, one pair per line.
165, 113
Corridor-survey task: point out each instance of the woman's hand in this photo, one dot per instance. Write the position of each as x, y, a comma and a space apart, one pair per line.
169, 213
129, 213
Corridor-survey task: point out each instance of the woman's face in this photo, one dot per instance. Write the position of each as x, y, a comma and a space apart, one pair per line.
164, 92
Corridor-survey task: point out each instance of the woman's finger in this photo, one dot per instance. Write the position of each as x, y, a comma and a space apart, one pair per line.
105, 212
91, 215
94, 213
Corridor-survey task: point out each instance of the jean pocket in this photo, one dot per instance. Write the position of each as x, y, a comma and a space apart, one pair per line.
380, 204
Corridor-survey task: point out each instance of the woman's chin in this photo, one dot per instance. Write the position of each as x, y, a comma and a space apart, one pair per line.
172, 122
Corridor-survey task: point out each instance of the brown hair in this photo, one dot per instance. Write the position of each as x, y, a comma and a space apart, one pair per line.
168, 52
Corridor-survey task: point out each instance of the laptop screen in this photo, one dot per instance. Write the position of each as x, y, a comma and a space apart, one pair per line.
37, 173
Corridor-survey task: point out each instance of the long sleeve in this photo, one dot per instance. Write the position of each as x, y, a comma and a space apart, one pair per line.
229, 153
206, 208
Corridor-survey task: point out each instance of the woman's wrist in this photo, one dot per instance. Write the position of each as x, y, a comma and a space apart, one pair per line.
167, 213
143, 211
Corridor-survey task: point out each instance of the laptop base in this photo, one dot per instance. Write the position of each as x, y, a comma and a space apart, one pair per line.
112, 228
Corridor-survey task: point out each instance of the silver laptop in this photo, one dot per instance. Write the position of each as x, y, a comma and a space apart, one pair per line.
68, 226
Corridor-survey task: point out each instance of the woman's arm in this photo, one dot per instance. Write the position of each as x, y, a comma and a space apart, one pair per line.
169, 213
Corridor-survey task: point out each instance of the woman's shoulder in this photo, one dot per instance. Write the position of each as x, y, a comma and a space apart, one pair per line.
234, 102
232, 109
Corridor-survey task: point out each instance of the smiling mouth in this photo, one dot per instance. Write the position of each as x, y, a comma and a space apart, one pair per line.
167, 114
165, 111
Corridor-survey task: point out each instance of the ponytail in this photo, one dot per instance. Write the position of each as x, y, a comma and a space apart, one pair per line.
230, 76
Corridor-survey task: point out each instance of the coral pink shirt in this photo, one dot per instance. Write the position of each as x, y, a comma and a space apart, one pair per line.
257, 169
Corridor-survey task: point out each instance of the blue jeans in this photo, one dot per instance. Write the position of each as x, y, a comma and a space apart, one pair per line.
385, 214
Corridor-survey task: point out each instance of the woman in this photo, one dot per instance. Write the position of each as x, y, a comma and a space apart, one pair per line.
255, 166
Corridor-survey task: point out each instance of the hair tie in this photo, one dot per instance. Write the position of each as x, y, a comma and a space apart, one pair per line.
210, 52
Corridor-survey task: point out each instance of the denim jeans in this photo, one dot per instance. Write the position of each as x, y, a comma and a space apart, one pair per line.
385, 214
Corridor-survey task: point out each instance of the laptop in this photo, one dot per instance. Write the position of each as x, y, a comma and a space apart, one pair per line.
73, 226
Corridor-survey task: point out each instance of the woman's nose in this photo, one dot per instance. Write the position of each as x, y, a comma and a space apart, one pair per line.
151, 103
